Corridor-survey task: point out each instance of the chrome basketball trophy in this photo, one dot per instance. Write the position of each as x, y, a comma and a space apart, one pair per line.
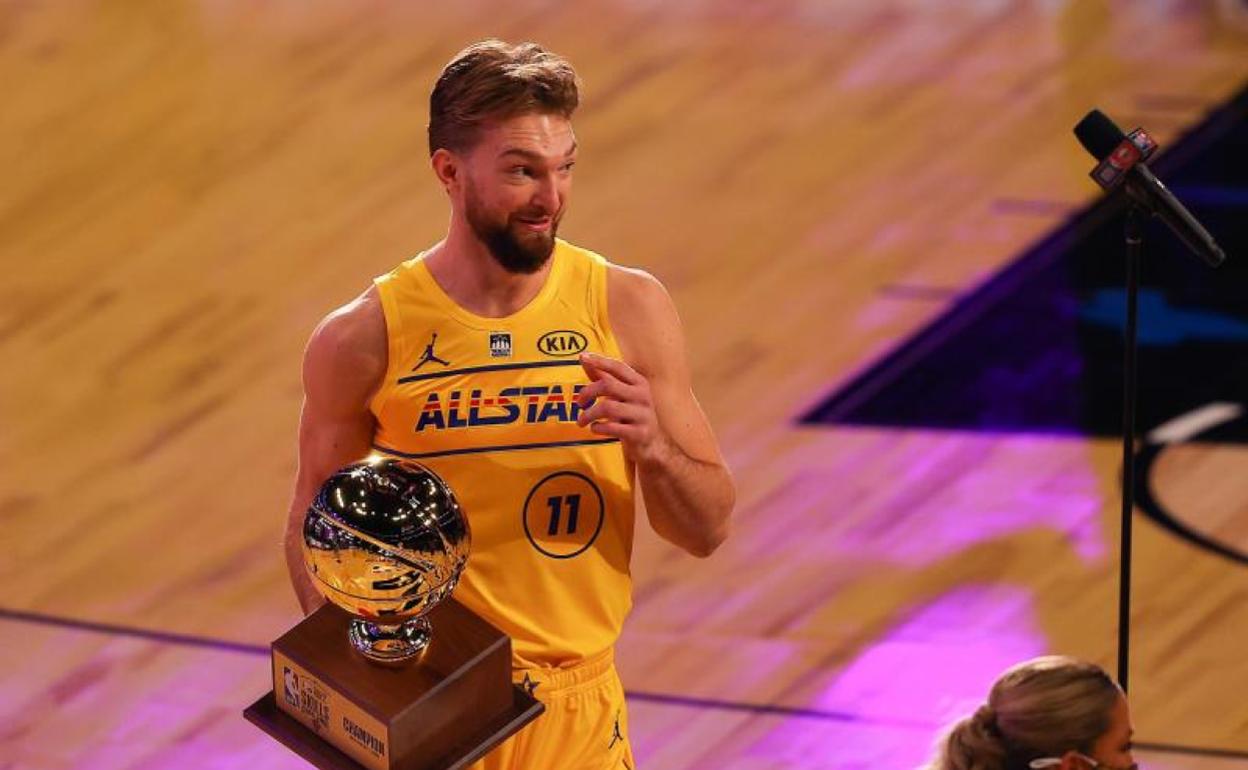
386, 541
391, 673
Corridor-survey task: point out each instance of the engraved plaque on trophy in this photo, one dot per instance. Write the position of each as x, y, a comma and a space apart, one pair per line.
391, 673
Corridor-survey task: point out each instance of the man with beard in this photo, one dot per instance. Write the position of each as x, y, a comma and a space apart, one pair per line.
543, 383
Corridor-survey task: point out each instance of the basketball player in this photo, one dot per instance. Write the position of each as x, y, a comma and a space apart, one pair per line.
543, 383
1051, 712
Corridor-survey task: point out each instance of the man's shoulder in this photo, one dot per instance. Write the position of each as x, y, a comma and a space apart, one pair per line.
634, 290
581, 254
643, 317
633, 282
346, 357
353, 331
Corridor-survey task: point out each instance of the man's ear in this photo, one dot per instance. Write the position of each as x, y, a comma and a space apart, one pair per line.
447, 168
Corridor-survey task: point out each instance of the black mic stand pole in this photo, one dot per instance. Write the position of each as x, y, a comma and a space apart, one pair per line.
1134, 233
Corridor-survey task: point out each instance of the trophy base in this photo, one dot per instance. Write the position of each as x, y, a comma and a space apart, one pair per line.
390, 643
288, 731
442, 709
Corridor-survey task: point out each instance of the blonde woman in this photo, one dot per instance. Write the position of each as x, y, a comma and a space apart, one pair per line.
1050, 713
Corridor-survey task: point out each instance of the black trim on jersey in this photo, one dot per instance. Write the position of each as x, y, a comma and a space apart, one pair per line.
501, 448
486, 368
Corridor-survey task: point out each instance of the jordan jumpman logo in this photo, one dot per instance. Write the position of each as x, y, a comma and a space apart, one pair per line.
429, 355
617, 737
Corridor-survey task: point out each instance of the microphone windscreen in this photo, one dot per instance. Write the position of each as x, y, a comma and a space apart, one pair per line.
1098, 134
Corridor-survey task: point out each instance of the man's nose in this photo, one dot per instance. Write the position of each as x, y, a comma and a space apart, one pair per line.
547, 194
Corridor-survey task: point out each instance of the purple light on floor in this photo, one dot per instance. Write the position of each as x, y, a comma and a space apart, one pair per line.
808, 744
934, 667
940, 662
963, 491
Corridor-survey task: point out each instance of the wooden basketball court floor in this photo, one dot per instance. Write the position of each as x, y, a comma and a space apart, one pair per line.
189, 186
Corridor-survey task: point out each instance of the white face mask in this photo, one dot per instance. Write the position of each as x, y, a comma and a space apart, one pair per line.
1045, 762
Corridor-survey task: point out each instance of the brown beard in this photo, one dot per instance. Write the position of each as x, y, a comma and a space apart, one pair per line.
523, 253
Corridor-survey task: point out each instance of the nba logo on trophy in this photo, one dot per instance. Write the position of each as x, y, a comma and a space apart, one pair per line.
290, 687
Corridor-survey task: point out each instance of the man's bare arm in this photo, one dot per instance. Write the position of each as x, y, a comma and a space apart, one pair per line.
649, 404
343, 366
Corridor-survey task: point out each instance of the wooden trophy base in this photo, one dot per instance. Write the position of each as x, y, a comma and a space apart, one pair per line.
265, 714
444, 709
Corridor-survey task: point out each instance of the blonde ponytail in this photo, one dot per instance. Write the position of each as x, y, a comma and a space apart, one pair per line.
973, 743
1042, 707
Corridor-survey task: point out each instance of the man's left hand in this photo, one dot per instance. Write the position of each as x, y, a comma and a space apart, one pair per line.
618, 403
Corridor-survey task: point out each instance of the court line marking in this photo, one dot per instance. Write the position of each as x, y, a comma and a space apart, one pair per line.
168, 637
224, 645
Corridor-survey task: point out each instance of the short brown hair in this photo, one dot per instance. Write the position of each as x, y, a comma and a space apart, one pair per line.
492, 80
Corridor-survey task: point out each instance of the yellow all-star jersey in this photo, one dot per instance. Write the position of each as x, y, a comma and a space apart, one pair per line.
487, 404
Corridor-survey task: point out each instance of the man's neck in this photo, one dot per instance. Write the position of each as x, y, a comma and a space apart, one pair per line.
469, 274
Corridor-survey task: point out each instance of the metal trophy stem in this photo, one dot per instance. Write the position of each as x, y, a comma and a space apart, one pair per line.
386, 643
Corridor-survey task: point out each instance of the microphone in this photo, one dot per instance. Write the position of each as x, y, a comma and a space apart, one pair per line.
1122, 159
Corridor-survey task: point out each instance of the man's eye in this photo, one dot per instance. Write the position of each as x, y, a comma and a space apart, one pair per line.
567, 167
518, 171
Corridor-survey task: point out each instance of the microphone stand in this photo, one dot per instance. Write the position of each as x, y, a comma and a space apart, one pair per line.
1134, 234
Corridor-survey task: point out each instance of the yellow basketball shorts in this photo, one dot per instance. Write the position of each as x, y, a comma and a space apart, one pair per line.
584, 727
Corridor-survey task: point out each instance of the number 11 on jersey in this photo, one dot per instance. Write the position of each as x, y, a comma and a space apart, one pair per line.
556, 507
